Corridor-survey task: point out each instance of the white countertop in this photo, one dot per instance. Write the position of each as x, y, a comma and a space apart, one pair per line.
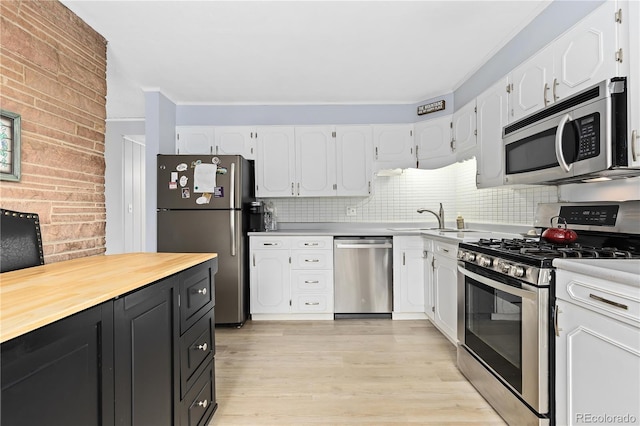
395, 229
624, 271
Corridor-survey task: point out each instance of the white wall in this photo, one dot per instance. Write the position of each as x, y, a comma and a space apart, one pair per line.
396, 199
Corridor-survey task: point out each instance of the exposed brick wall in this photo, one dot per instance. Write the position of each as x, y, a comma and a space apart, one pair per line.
53, 73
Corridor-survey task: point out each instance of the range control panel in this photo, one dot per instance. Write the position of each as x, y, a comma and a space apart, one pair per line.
590, 215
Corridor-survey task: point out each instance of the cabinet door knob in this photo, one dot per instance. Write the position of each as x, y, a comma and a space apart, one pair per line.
202, 291
202, 403
203, 347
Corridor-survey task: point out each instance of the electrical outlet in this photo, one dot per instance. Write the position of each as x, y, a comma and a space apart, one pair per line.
351, 211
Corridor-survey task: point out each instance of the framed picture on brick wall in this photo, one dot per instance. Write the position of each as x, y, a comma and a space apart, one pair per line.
9, 146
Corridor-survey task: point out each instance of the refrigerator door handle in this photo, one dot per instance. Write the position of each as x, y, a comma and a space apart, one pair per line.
232, 183
232, 227
232, 205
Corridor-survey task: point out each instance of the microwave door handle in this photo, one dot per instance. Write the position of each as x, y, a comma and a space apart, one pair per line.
563, 164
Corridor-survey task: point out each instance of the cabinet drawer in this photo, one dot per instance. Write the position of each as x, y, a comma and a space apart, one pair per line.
613, 299
269, 242
196, 294
312, 281
312, 259
445, 249
312, 243
312, 303
200, 402
197, 346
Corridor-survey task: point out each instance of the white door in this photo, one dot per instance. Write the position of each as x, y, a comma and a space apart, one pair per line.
393, 146
270, 282
315, 161
433, 143
408, 261
531, 90
429, 308
464, 131
492, 116
354, 155
275, 162
133, 168
633, 88
235, 140
586, 54
194, 140
597, 367
445, 278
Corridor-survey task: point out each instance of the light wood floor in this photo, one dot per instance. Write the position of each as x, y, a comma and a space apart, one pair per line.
343, 372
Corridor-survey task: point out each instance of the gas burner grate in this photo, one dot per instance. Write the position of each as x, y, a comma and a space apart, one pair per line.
541, 249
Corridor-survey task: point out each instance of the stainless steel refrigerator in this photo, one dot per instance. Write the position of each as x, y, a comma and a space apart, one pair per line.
203, 207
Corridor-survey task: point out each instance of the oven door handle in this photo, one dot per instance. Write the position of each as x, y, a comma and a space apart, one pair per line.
526, 294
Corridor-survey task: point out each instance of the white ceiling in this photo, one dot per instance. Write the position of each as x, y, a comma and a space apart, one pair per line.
296, 52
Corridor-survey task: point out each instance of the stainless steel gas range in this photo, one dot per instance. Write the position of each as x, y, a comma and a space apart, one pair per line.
506, 293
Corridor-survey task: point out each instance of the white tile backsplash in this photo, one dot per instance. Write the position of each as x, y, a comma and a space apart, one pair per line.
397, 198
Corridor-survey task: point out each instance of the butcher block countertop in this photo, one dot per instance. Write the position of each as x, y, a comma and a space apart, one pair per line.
34, 297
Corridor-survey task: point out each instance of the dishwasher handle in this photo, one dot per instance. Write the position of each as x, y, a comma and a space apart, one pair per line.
364, 246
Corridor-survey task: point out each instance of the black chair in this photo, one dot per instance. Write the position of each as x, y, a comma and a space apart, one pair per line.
20, 240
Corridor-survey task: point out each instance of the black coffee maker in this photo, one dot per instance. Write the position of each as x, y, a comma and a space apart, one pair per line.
256, 216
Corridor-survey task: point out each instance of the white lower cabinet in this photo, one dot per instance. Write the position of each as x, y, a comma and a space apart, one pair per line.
598, 368
429, 307
445, 289
291, 275
270, 275
408, 277
597, 349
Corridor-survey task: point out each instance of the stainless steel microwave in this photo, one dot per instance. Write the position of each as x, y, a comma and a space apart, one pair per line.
579, 139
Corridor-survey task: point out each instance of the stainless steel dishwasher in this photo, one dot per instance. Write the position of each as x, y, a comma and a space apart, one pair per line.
363, 271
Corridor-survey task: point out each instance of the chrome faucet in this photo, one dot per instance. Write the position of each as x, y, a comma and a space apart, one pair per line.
439, 215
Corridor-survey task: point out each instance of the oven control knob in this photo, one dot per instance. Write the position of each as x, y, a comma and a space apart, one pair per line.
504, 266
462, 255
484, 261
517, 271
469, 257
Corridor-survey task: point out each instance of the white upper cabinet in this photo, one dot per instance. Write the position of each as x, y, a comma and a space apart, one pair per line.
354, 158
433, 143
530, 84
464, 131
633, 89
586, 54
393, 146
275, 162
580, 58
236, 140
195, 140
315, 161
224, 140
492, 116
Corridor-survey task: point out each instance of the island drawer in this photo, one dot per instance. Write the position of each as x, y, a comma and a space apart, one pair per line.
196, 294
200, 402
197, 346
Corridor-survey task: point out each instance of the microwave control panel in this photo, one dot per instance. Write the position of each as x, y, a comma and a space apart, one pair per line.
588, 133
